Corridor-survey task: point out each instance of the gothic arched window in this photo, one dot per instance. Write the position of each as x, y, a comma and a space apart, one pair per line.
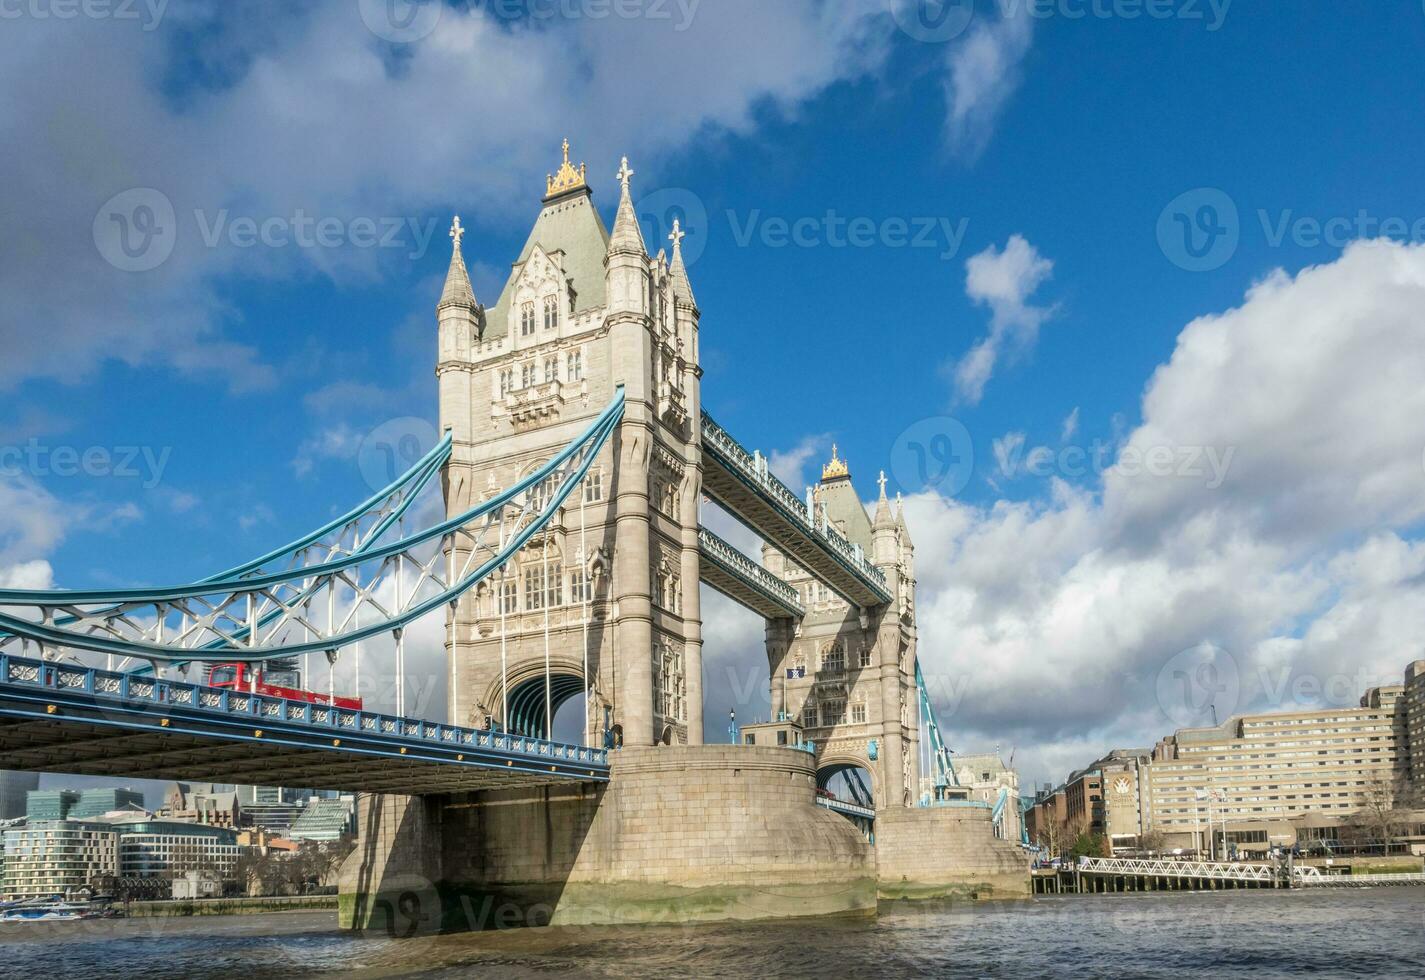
551, 312
526, 319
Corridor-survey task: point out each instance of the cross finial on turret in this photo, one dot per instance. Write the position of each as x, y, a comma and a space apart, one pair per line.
882, 482
624, 173
678, 235
456, 232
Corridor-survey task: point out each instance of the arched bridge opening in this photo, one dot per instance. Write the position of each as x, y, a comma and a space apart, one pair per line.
531, 705
847, 788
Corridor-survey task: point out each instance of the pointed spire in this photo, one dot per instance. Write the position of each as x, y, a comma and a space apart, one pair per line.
883, 506
627, 236
458, 291
900, 520
682, 288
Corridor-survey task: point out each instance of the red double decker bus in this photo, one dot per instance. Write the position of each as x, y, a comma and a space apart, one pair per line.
278, 680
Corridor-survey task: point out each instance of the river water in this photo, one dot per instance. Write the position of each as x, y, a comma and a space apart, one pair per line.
1258, 934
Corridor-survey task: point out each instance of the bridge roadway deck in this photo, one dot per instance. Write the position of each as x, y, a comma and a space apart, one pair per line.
741, 482
67, 718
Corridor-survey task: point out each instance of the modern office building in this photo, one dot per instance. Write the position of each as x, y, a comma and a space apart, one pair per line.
167, 848
325, 820
57, 857
13, 787
97, 802
50, 804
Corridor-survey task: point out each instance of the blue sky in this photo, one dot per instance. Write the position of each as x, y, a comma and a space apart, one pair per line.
1051, 163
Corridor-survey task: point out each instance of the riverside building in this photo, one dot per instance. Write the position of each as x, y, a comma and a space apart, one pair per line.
1260, 780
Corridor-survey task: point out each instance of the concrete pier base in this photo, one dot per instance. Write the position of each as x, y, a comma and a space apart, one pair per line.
681, 834
946, 852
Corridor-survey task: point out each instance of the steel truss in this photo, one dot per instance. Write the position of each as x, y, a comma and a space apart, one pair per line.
344, 583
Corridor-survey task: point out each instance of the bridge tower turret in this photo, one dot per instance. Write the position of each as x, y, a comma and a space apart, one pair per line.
612, 582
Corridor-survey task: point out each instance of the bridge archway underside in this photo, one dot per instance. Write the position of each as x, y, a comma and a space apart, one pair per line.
270, 741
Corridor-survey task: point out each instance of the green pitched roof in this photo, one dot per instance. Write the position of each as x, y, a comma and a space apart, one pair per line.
569, 223
845, 510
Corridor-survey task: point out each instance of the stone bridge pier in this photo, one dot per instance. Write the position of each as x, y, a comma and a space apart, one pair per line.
680, 834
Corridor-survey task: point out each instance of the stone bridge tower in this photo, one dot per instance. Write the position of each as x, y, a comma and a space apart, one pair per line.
583, 311
847, 674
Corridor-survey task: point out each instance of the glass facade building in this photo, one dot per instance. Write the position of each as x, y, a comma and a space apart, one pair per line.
55, 857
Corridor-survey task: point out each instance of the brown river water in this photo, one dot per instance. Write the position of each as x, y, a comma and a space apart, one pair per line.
1258, 934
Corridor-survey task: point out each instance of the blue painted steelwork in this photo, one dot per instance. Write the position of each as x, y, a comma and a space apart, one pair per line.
387, 506
123, 702
859, 789
943, 770
131, 604
527, 704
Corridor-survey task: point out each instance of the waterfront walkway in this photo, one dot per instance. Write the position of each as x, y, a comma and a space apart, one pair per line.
1137, 875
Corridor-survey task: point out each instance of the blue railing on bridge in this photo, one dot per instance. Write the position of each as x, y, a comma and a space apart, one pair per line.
146, 691
754, 468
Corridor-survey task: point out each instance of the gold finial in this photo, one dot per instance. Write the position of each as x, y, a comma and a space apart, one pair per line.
836, 468
567, 179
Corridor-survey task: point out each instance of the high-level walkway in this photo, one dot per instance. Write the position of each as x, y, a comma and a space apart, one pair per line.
742, 482
744, 581
57, 717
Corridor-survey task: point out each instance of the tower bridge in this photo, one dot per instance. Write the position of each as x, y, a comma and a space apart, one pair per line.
576, 461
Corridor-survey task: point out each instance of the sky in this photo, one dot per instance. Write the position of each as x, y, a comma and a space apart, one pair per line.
1126, 297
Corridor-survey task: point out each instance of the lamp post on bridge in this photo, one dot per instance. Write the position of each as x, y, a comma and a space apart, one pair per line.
732, 725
